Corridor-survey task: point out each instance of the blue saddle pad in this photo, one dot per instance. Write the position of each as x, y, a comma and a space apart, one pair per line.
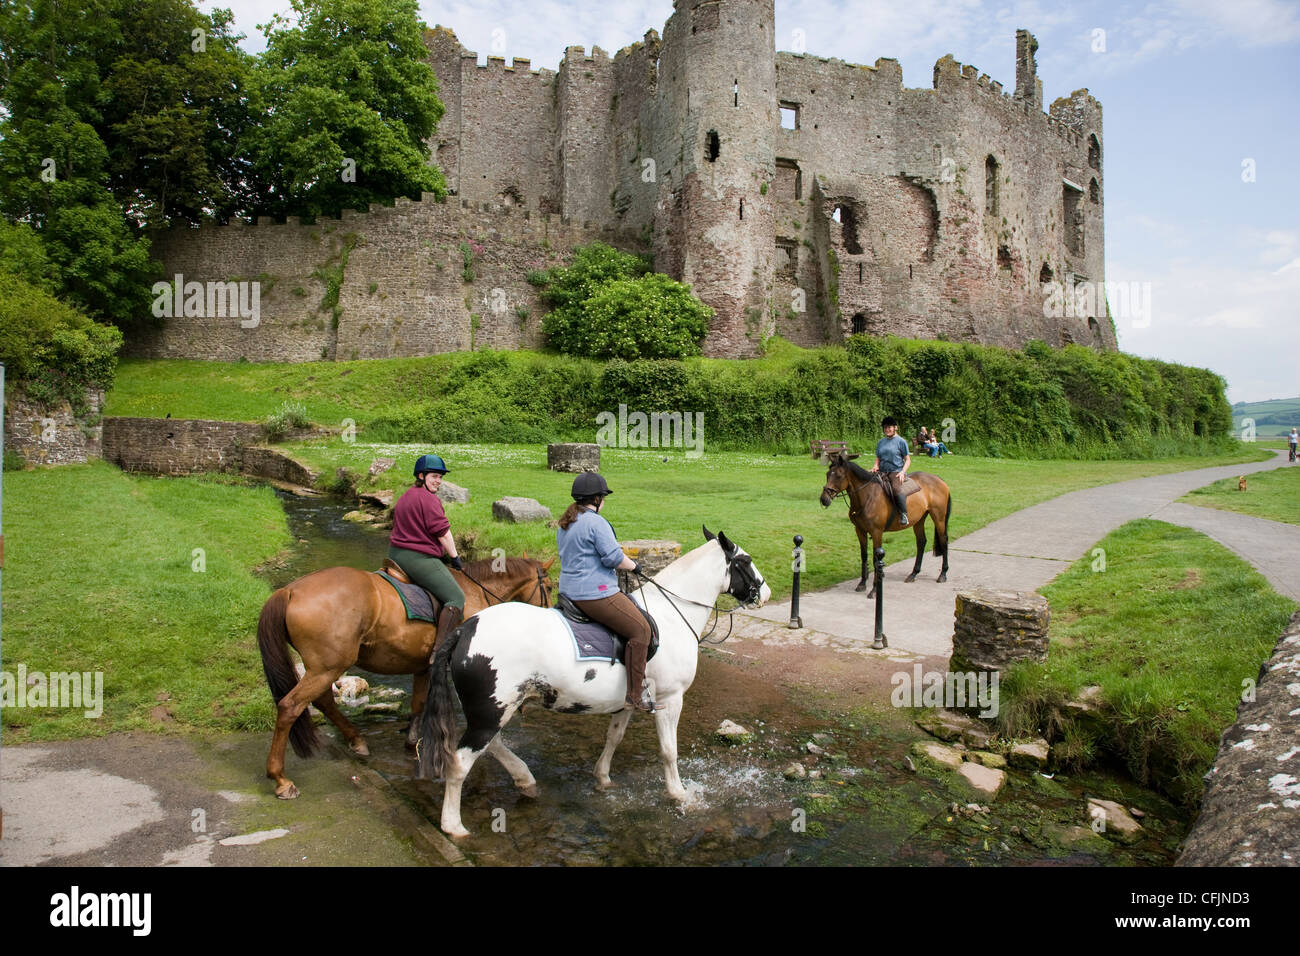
418, 601
591, 641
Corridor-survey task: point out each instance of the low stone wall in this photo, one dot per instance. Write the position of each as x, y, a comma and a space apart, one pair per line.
179, 446
1250, 815
52, 435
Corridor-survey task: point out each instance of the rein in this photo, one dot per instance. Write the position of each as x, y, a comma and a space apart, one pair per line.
703, 638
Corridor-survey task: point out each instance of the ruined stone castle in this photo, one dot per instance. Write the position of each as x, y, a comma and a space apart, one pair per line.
796, 195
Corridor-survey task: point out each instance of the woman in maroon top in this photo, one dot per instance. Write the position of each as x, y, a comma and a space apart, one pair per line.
422, 545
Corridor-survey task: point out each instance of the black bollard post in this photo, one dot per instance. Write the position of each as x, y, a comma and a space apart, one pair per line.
796, 621
881, 641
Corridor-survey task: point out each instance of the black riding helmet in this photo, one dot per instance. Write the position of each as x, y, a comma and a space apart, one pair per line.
588, 485
887, 421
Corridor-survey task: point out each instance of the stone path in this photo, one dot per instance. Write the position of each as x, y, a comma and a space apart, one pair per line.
1022, 551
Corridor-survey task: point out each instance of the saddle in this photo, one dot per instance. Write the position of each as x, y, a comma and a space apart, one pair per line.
594, 641
420, 604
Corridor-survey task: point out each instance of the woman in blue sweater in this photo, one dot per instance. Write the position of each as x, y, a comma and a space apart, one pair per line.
590, 559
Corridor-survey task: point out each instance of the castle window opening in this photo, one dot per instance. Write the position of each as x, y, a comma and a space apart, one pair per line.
742, 209
789, 180
1004, 257
787, 256
847, 217
1072, 218
860, 273
1045, 274
859, 323
735, 92
1095, 328
1094, 152
991, 186
789, 115
1094, 192
713, 146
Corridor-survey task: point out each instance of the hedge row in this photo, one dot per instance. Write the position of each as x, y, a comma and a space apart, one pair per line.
1036, 403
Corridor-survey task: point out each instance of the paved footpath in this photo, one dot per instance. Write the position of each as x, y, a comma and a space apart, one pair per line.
1023, 552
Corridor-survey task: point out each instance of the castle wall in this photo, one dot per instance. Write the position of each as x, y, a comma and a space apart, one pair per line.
404, 289
876, 214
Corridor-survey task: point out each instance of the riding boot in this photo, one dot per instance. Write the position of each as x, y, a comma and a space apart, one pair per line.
636, 655
900, 502
449, 619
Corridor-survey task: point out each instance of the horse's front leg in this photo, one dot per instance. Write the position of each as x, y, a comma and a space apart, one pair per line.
666, 725
866, 563
613, 736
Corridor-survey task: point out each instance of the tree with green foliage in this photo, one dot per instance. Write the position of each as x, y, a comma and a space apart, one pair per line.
609, 304
349, 104
50, 350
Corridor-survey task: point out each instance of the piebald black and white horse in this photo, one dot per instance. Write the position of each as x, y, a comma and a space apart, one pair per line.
512, 653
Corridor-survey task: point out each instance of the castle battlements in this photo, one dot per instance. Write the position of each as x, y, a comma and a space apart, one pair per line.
796, 194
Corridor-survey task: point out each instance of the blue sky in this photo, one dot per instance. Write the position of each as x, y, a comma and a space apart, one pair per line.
1191, 90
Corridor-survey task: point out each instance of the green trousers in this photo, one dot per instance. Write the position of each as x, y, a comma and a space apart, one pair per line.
431, 574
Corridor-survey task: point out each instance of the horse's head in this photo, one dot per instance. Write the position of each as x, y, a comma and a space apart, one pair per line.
837, 478
745, 582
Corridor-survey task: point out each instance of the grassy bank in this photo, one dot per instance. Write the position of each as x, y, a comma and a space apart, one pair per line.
1037, 403
102, 577
1169, 631
1274, 495
760, 500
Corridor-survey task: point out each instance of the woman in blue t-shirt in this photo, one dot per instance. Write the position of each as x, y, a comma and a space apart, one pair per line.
590, 559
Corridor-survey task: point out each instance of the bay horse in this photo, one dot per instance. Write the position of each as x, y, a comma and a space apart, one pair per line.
871, 509
512, 653
337, 618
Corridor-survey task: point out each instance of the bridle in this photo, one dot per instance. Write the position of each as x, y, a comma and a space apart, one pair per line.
743, 561
539, 585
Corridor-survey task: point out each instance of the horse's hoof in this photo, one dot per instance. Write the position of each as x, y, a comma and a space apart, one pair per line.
861, 587
529, 791
871, 594
910, 578
287, 792
941, 579
359, 748
458, 834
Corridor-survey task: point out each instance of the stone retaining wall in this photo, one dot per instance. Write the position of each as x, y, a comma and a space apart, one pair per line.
1250, 815
52, 435
178, 446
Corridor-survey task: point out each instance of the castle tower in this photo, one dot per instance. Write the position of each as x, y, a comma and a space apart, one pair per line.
717, 101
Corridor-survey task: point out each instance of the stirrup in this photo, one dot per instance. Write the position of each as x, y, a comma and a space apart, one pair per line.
648, 706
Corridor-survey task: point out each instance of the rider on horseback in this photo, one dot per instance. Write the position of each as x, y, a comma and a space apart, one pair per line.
893, 458
589, 557
422, 545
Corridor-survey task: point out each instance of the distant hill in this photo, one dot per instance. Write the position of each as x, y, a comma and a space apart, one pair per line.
1273, 418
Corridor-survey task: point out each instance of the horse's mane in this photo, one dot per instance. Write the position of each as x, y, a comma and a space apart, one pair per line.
862, 473
514, 566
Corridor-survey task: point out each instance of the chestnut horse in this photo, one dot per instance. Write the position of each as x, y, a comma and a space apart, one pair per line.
871, 509
340, 617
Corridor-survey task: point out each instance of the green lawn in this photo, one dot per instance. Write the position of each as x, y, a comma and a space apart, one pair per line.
101, 576
1274, 495
760, 500
1170, 630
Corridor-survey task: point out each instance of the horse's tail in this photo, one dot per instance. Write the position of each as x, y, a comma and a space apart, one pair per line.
273, 642
436, 749
941, 537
